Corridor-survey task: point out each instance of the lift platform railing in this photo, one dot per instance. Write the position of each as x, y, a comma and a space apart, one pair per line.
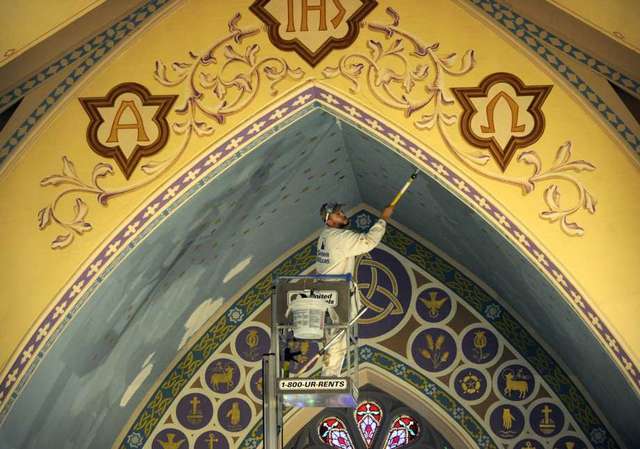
324, 311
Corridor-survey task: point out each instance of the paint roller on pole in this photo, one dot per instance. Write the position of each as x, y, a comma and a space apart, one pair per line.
362, 311
412, 178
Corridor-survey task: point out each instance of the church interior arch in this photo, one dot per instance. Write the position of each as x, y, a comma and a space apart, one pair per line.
152, 306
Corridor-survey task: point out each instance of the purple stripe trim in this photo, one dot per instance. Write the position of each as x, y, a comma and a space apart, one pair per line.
192, 174
552, 270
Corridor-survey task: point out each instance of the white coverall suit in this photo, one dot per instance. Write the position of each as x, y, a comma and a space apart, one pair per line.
337, 251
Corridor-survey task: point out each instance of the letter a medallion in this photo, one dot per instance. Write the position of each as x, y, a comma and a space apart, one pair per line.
127, 124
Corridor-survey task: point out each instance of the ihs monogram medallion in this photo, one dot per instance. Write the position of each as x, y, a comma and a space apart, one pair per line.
312, 28
128, 124
502, 114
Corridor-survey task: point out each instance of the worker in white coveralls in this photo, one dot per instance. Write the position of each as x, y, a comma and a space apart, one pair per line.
337, 251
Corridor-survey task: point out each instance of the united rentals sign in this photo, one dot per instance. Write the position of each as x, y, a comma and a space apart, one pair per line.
330, 297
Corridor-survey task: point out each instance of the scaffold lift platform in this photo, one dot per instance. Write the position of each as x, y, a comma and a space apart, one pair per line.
308, 308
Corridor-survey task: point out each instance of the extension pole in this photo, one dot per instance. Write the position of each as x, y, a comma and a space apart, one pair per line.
404, 189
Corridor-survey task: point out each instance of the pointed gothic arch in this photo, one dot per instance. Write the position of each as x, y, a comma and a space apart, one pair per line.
314, 104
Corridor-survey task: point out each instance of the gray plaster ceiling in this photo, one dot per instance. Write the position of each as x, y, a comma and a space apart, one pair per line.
231, 230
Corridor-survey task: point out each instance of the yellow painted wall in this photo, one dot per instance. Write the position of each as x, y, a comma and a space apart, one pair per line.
616, 19
603, 262
24, 24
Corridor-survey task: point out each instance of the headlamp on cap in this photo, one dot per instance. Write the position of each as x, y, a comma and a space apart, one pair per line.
329, 208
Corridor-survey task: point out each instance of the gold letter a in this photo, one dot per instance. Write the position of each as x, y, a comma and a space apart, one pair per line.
116, 126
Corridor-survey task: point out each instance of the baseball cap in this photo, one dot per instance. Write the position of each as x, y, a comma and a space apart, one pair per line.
329, 208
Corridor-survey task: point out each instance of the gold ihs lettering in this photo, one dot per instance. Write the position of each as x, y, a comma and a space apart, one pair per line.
321, 8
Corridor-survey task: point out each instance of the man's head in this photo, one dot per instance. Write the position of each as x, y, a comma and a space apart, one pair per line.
333, 215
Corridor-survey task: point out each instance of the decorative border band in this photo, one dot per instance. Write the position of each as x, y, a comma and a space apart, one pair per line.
456, 184
515, 22
89, 54
200, 172
131, 233
531, 34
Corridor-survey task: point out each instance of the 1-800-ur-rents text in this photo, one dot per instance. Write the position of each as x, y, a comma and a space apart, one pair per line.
313, 384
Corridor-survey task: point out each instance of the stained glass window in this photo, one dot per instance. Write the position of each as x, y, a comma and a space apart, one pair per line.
368, 416
403, 431
334, 433
340, 432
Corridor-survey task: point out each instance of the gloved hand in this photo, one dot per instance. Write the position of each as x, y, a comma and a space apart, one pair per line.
386, 213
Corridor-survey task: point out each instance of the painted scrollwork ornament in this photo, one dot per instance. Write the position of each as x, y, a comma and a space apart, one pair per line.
411, 76
217, 94
220, 82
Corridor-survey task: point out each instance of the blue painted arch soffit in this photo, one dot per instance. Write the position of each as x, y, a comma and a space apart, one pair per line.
206, 251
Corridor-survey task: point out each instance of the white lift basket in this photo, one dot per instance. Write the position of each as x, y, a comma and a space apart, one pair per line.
309, 307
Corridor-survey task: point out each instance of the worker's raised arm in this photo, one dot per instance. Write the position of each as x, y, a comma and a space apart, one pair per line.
354, 243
